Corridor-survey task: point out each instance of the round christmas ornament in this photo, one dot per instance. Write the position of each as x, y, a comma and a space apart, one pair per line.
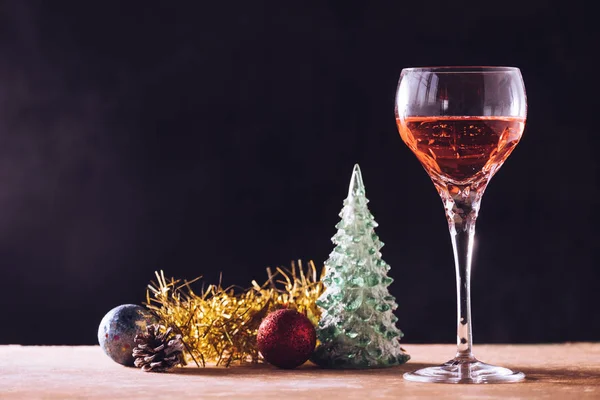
286, 338
118, 329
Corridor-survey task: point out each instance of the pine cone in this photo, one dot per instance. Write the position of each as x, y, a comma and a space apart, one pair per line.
157, 352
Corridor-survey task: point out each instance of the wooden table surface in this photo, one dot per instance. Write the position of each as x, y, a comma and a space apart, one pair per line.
559, 371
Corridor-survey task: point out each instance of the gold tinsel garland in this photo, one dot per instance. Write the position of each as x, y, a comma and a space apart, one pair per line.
219, 325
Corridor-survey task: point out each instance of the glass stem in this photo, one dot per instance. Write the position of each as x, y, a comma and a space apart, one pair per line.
462, 206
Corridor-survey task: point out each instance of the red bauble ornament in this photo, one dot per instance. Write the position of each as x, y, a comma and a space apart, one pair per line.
286, 338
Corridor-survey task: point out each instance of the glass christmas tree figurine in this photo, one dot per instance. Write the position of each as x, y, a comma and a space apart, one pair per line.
357, 327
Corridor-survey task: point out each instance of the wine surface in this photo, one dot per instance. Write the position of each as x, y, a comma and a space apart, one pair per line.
461, 150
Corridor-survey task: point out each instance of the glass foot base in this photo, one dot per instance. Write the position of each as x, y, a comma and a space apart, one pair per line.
465, 371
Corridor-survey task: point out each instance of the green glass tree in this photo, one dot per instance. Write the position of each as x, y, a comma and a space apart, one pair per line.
357, 328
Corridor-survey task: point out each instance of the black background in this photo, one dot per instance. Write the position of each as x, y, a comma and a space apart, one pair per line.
209, 137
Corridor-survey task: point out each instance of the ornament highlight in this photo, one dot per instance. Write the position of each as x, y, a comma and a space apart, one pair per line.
357, 327
118, 329
286, 338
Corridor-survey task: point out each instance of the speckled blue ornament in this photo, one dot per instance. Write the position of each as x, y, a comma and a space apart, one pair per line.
118, 329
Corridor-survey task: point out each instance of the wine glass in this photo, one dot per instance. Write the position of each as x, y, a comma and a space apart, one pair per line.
462, 123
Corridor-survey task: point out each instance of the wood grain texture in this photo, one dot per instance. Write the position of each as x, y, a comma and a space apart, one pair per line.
559, 371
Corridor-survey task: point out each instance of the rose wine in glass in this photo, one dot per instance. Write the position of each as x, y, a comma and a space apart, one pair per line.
462, 123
